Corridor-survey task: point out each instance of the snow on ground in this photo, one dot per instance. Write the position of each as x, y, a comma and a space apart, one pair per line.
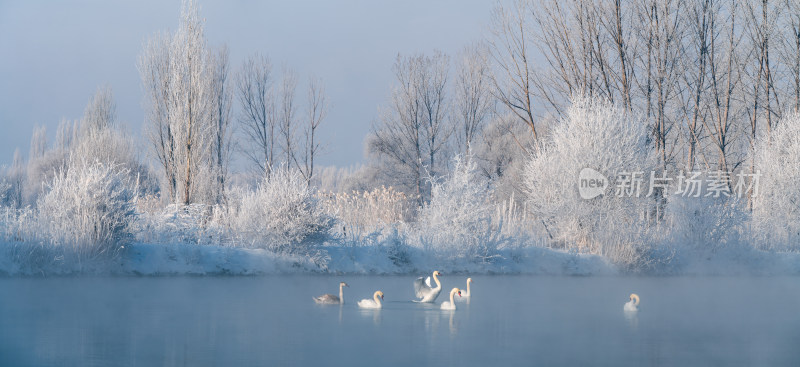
189, 259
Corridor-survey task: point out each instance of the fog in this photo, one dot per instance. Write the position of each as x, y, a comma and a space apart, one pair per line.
510, 320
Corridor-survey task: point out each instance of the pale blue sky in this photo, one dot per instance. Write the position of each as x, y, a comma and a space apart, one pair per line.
56, 53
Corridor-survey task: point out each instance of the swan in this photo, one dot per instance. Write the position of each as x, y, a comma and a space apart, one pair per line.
329, 299
375, 302
467, 293
633, 304
451, 305
425, 291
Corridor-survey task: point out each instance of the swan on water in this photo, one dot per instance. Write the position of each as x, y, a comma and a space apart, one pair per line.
451, 305
466, 295
633, 304
425, 291
329, 299
375, 302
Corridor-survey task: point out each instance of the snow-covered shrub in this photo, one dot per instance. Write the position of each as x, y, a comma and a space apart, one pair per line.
14, 182
776, 204
6, 193
195, 224
359, 212
107, 145
19, 225
699, 227
515, 220
282, 215
41, 171
457, 222
88, 210
597, 135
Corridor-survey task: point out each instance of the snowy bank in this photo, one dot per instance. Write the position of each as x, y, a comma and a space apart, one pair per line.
188, 259
140, 259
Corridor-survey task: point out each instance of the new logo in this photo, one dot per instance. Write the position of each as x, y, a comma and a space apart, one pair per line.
591, 183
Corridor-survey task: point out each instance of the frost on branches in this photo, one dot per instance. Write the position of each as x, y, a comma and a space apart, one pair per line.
457, 223
88, 210
776, 207
598, 135
281, 215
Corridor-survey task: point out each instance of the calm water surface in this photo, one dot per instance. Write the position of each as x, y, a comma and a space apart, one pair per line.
510, 321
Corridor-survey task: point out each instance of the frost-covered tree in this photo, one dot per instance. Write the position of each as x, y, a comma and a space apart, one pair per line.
67, 134
597, 135
512, 51
258, 116
316, 111
776, 204
472, 98
184, 91
38, 143
43, 164
287, 124
411, 139
15, 177
662, 28
501, 153
220, 130
100, 139
100, 113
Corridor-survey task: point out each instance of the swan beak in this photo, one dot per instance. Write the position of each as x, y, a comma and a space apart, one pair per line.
459, 294
381, 297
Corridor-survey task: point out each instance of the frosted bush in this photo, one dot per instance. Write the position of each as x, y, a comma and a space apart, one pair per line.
282, 215
6, 193
88, 210
598, 135
105, 145
457, 222
776, 207
41, 171
366, 211
196, 224
703, 225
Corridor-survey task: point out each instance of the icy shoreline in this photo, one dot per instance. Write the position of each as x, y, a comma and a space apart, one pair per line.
141, 259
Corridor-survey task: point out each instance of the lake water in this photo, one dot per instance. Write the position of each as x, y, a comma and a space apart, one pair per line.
510, 321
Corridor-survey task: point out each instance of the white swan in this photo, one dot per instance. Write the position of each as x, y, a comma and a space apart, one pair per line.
372, 303
451, 305
329, 299
425, 291
633, 304
467, 294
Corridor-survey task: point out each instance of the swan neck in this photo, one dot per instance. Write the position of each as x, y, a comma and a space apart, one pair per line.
436, 279
376, 298
452, 294
468, 285
341, 293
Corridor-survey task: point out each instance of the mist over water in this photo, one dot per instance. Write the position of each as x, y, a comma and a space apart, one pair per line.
510, 320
